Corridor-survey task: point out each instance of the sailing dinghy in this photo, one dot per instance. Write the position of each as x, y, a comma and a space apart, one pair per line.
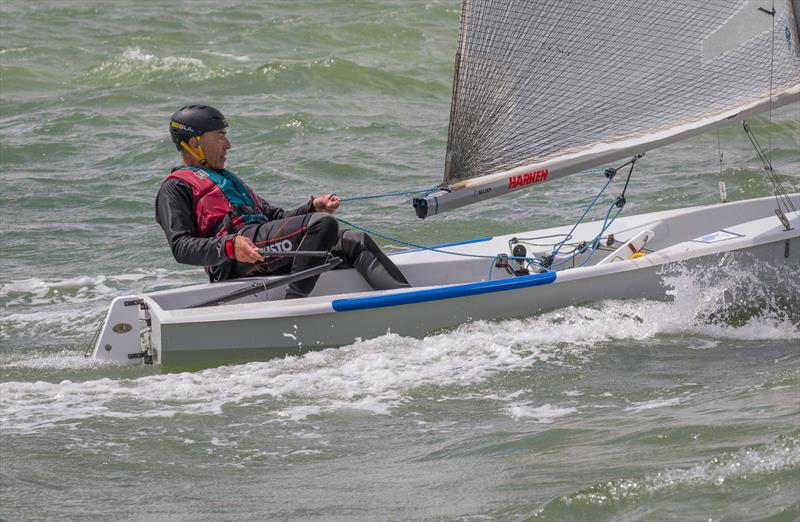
542, 89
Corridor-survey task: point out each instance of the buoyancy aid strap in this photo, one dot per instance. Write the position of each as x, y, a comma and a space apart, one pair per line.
248, 196
244, 202
235, 219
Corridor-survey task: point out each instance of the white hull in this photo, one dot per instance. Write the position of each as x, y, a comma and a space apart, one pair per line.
448, 290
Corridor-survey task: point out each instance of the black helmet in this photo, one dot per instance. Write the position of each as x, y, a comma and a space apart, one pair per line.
194, 120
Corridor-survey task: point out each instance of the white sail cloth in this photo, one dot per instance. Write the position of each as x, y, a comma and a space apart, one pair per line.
545, 88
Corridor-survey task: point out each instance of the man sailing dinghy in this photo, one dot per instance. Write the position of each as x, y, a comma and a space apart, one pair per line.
212, 218
542, 89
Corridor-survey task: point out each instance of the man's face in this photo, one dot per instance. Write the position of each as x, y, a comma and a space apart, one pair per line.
215, 146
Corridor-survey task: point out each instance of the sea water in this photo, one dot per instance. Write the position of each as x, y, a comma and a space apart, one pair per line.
620, 410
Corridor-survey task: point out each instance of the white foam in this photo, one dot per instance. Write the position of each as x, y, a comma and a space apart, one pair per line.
136, 54
216, 441
64, 360
65, 324
33, 286
372, 375
652, 404
39, 308
91, 287
704, 298
298, 413
545, 413
137, 63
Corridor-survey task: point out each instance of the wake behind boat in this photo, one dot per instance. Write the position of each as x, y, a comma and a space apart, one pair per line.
541, 91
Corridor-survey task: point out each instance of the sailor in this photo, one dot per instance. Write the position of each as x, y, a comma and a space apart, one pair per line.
212, 218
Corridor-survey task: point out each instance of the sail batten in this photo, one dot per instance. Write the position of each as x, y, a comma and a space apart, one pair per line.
538, 81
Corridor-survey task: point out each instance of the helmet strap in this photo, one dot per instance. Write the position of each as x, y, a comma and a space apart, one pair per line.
199, 155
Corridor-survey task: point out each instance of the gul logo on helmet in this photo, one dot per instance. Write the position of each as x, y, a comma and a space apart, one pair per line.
181, 126
529, 178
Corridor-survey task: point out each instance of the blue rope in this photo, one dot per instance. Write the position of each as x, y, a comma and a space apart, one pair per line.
391, 194
413, 245
593, 244
597, 238
530, 261
557, 248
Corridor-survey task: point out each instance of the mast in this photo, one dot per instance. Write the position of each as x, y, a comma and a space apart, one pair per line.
456, 69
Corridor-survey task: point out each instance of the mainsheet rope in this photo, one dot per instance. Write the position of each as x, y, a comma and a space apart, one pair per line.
392, 194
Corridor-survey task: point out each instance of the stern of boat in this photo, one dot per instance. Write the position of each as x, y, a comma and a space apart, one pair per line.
125, 332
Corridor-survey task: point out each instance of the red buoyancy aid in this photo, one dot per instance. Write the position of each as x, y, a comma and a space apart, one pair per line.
212, 205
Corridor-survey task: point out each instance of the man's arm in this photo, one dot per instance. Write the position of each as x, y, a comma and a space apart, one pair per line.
175, 214
274, 213
327, 203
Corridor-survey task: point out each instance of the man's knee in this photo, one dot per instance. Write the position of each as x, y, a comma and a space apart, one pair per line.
325, 226
357, 241
354, 236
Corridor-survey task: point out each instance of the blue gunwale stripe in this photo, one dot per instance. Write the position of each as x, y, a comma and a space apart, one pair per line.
448, 292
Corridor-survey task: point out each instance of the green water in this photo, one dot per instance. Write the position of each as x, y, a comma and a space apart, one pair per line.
622, 410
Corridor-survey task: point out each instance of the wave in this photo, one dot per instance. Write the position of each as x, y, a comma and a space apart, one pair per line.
137, 65
69, 308
48, 289
734, 297
327, 73
6, 50
375, 375
716, 474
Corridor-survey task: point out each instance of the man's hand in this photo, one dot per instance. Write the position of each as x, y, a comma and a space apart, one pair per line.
327, 203
245, 250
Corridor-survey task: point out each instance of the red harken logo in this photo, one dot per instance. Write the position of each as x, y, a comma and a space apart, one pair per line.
529, 178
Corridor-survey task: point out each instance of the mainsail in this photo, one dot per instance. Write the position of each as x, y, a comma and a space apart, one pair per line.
546, 88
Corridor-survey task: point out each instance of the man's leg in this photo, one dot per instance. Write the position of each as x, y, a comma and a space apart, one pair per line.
321, 235
363, 254
305, 232
318, 231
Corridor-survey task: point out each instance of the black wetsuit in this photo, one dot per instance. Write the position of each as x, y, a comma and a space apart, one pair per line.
298, 229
